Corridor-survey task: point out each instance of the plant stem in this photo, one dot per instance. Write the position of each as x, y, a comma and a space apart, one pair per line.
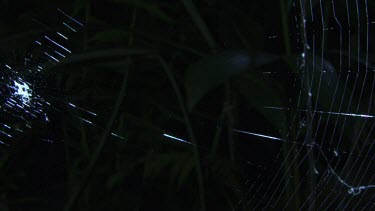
284, 21
199, 22
95, 157
189, 130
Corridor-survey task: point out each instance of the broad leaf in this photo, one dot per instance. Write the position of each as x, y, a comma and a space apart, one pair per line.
210, 72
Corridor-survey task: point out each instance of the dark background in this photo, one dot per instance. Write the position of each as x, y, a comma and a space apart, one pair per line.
141, 66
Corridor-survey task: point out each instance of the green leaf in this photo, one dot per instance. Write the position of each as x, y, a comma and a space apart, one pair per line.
186, 171
109, 36
155, 164
182, 166
210, 72
4, 207
79, 5
102, 55
258, 93
150, 6
199, 22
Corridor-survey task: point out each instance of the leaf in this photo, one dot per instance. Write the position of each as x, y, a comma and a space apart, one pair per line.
199, 22
259, 94
109, 36
186, 171
79, 5
208, 73
115, 179
84, 142
182, 166
155, 164
4, 207
212, 71
100, 55
150, 6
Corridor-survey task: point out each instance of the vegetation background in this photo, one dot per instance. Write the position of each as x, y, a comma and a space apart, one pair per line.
192, 69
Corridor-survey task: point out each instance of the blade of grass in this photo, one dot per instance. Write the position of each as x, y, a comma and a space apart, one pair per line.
89, 57
203, 28
189, 130
218, 131
95, 156
284, 21
198, 20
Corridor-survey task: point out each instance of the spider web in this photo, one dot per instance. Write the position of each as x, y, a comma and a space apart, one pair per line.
325, 159
29, 93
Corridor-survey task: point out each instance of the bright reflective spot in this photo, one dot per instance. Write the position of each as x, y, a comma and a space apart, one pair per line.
259, 135
117, 136
53, 58
85, 120
323, 112
54, 42
69, 27
175, 138
6, 134
90, 112
23, 91
70, 17
61, 35
60, 54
